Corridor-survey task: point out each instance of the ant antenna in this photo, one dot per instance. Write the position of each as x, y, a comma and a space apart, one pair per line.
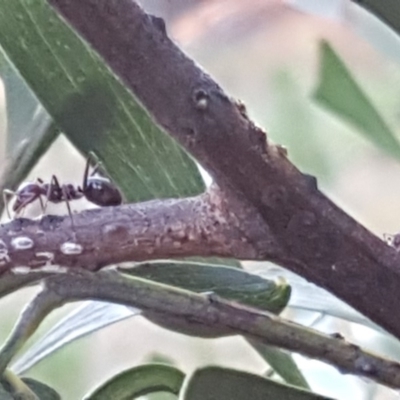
65, 194
42, 206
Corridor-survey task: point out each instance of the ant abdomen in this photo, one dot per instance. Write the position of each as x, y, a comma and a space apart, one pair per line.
102, 192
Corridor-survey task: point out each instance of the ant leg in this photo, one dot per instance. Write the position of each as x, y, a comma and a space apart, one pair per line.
86, 173
27, 201
54, 185
65, 195
92, 156
96, 168
6, 193
42, 206
98, 165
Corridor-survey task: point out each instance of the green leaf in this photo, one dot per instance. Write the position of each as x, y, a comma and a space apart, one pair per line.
25, 388
299, 133
24, 157
43, 391
30, 130
4, 394
91, 105
160, 358
227, 282
339, 92
386, 10
87, 318
282, 363
228, 262
140, 381
226, 384
21, 105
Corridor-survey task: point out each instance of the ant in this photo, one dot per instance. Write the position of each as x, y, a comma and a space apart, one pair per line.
97, 189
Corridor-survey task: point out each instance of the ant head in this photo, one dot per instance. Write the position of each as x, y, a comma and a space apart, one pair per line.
27, 193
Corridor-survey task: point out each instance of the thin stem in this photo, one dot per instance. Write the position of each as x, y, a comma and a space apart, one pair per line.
221, 315
28, 322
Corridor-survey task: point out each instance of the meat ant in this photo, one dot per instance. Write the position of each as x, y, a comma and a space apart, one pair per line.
97, 189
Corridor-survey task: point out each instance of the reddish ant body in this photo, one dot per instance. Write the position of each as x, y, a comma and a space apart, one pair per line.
97, 189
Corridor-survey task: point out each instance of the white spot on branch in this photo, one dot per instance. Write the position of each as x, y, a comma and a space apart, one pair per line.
71, 248
22, 243
53, 268
21, 270
46, 256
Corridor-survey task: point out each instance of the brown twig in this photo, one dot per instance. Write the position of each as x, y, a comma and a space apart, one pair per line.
197, 226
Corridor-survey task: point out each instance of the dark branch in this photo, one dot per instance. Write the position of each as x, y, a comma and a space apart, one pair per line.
316, 239
198, 226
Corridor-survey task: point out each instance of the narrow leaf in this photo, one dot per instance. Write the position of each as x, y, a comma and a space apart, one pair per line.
25, 388
230, 283
15, 387
4, 394
308, 297
43, 391
339, 92
226, 384
85, 319
91, 105
30, 129
23, 157
139, 381
282, 363
386, 10
21, 103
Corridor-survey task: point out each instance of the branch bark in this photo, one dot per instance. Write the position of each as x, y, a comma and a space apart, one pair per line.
197, 226
302, 229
